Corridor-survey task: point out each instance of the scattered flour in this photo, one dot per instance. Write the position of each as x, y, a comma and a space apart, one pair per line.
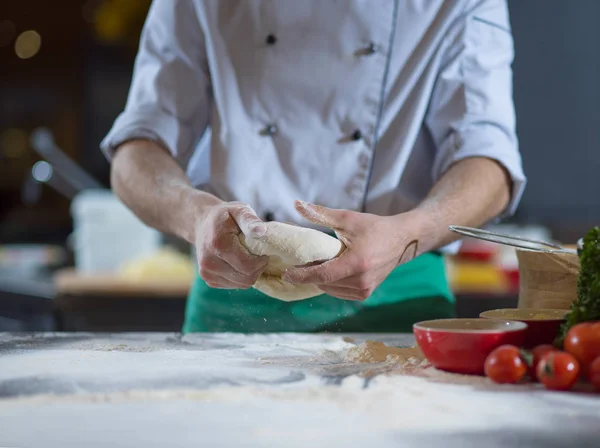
374, 351
380, 407
178, 390
118, 348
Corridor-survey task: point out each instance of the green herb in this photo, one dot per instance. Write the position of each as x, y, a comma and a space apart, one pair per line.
586, 306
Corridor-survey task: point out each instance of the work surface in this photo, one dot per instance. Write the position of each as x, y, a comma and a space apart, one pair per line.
283, 390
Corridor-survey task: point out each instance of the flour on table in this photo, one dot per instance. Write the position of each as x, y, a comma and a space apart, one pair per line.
208, 386
374, 351
288, 246
382, 406
117, 348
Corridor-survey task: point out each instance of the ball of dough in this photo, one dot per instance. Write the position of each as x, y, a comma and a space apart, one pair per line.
287, 246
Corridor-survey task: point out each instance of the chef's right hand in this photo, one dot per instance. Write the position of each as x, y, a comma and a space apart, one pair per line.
223, 261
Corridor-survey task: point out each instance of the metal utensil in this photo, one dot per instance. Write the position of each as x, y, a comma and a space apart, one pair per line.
509, 240
42, 141
579, 245
42, 173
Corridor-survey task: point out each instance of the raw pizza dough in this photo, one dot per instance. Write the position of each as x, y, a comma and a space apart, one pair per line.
287, 246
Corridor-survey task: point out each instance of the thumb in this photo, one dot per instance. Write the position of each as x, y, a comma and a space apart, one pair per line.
317, 214
249, 224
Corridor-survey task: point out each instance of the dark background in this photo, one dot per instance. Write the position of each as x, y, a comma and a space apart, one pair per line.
557, 97
78, 82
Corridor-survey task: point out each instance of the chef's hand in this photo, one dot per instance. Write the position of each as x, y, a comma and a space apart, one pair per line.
222, 259
375, 245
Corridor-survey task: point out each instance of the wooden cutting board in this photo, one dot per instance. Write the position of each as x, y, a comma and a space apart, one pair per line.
68, 281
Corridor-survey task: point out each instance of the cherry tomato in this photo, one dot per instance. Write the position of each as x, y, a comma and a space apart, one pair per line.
594, 373
583, 342
505, 365
558, 370
536, 356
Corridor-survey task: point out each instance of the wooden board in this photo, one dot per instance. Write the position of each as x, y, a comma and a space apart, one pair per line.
68, 281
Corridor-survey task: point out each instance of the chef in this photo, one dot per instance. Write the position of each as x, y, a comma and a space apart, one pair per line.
383, 121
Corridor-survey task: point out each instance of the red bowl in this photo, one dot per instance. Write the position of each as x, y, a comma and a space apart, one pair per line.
461, 345
543, 324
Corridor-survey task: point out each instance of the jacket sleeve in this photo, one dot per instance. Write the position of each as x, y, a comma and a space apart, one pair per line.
169, 97
471, 112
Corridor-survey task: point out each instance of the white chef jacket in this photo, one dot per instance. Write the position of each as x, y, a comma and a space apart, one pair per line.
352, 104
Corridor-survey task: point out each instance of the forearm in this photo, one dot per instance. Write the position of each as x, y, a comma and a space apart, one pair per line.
470, 193
151, 183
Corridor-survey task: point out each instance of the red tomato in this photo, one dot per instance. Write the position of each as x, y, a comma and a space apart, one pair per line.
594, 373
505, 365
583, 342
558, 370
536, 356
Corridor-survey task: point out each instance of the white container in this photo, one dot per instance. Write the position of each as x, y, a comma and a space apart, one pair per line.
107, 234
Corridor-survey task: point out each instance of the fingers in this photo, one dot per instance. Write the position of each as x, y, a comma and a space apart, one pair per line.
345, 293
359, 281
317, 214
222, 259
346, 277
323, 274
242, 261
356, 287
247, 221
218, 271
218, 282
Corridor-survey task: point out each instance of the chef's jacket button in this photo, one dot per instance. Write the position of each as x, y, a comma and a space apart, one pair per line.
364, 159
356, 135
269, 130
271, 39
370, 49
269, 216
354, 190
458, 143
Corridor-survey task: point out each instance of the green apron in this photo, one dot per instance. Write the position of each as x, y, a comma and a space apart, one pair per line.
415, 291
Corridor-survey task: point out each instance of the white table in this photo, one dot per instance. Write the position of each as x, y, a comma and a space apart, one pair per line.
275, 390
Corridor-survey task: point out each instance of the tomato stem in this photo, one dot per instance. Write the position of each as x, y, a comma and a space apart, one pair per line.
548, 365
526, 356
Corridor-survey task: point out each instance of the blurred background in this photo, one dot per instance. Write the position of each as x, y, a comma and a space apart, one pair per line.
67, 258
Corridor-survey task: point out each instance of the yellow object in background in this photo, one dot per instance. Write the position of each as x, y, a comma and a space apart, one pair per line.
477, 277
165, 266
120, 21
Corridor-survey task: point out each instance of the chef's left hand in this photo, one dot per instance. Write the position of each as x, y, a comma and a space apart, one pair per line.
375, 245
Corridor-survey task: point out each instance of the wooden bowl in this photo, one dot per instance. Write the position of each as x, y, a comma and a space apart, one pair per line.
547, 280
461, 345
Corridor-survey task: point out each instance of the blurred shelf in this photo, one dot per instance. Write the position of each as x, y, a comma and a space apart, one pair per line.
68, 282
36, 303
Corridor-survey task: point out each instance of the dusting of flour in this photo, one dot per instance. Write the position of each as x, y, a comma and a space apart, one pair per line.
374, 351
217, 388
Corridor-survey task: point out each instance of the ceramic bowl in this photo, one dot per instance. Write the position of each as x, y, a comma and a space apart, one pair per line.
461, 345
543, 324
